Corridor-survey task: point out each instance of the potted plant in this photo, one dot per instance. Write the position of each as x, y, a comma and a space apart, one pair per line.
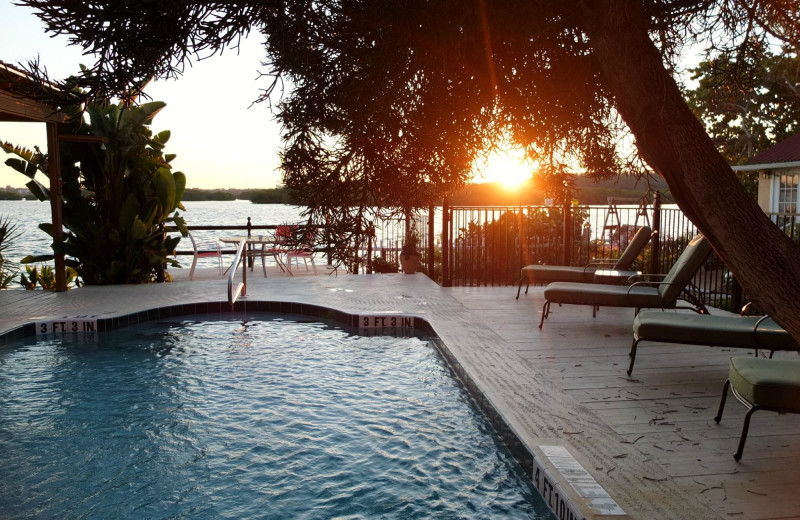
409, 254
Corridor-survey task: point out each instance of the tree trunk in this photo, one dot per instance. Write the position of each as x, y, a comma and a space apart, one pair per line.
675, 144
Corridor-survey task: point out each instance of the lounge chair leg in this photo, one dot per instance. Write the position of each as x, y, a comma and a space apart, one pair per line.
718, 418
527, 284
738, 455
632, 355
545, 312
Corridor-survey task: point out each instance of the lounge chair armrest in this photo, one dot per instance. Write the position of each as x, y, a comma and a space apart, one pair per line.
602, 261
647, 283
750, 309
632, 279
594, 264
654, 275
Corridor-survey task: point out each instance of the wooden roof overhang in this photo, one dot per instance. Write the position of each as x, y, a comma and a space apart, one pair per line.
16, 106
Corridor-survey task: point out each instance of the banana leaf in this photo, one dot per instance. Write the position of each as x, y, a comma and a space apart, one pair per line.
35, 259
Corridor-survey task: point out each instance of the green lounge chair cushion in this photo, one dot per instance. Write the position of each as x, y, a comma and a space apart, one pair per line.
635, 246
767, 382
696, 252
664, 295
603, 295
542, 274
709, 329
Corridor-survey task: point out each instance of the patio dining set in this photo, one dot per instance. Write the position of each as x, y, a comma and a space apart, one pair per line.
283, 247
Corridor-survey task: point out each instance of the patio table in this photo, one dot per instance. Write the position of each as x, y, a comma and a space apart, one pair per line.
253, 240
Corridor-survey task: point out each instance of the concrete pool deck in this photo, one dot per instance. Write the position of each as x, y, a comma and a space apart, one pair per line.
649, 440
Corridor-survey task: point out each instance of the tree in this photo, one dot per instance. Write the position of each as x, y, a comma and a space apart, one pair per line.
389, 92
747, 104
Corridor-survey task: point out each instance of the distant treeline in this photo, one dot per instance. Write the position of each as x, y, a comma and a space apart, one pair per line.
273, 196
486, 194
586, 192
267, 196
10, 195
628, 190
197, 194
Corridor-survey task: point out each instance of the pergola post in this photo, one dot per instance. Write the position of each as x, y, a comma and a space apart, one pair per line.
17, 105
54, 172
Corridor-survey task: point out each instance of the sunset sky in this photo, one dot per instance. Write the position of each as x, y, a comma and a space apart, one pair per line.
220, 142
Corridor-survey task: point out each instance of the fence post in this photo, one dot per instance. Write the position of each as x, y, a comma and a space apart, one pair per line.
567, 235
250, 258
655, 252
370, 237
357, 240
737, 296
431, 241
445, 244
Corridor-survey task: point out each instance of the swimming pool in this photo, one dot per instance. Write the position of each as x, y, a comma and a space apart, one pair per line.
263, 417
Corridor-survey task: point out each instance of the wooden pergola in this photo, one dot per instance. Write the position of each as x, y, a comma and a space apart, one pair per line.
18, 106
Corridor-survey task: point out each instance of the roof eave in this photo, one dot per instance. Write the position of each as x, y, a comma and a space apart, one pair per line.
766, 166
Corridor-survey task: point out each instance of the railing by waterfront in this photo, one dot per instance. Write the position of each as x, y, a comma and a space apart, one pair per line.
488, 245
380, 244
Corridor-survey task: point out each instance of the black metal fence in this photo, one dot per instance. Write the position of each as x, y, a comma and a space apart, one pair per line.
487, 246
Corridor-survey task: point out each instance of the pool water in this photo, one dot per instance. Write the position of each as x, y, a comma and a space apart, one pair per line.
260, 418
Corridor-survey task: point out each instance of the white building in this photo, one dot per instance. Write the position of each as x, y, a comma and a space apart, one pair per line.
779, 172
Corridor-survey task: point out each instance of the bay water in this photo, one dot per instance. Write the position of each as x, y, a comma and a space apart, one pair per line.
26, 215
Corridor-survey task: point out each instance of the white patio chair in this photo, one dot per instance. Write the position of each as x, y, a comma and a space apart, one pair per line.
205, 250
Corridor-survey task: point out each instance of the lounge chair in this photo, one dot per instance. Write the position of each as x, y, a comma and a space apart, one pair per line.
544, 274
756, 332
640, 295
761, 384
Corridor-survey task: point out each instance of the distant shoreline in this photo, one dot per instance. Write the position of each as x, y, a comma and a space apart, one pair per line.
586, 192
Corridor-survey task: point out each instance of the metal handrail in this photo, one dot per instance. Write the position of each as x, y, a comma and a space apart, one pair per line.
241, 288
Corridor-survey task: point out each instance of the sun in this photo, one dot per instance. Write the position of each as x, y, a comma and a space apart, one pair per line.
508, 168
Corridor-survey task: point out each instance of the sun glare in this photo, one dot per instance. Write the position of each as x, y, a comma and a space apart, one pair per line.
509, 168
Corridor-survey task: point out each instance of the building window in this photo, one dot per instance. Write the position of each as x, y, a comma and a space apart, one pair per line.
787, 193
